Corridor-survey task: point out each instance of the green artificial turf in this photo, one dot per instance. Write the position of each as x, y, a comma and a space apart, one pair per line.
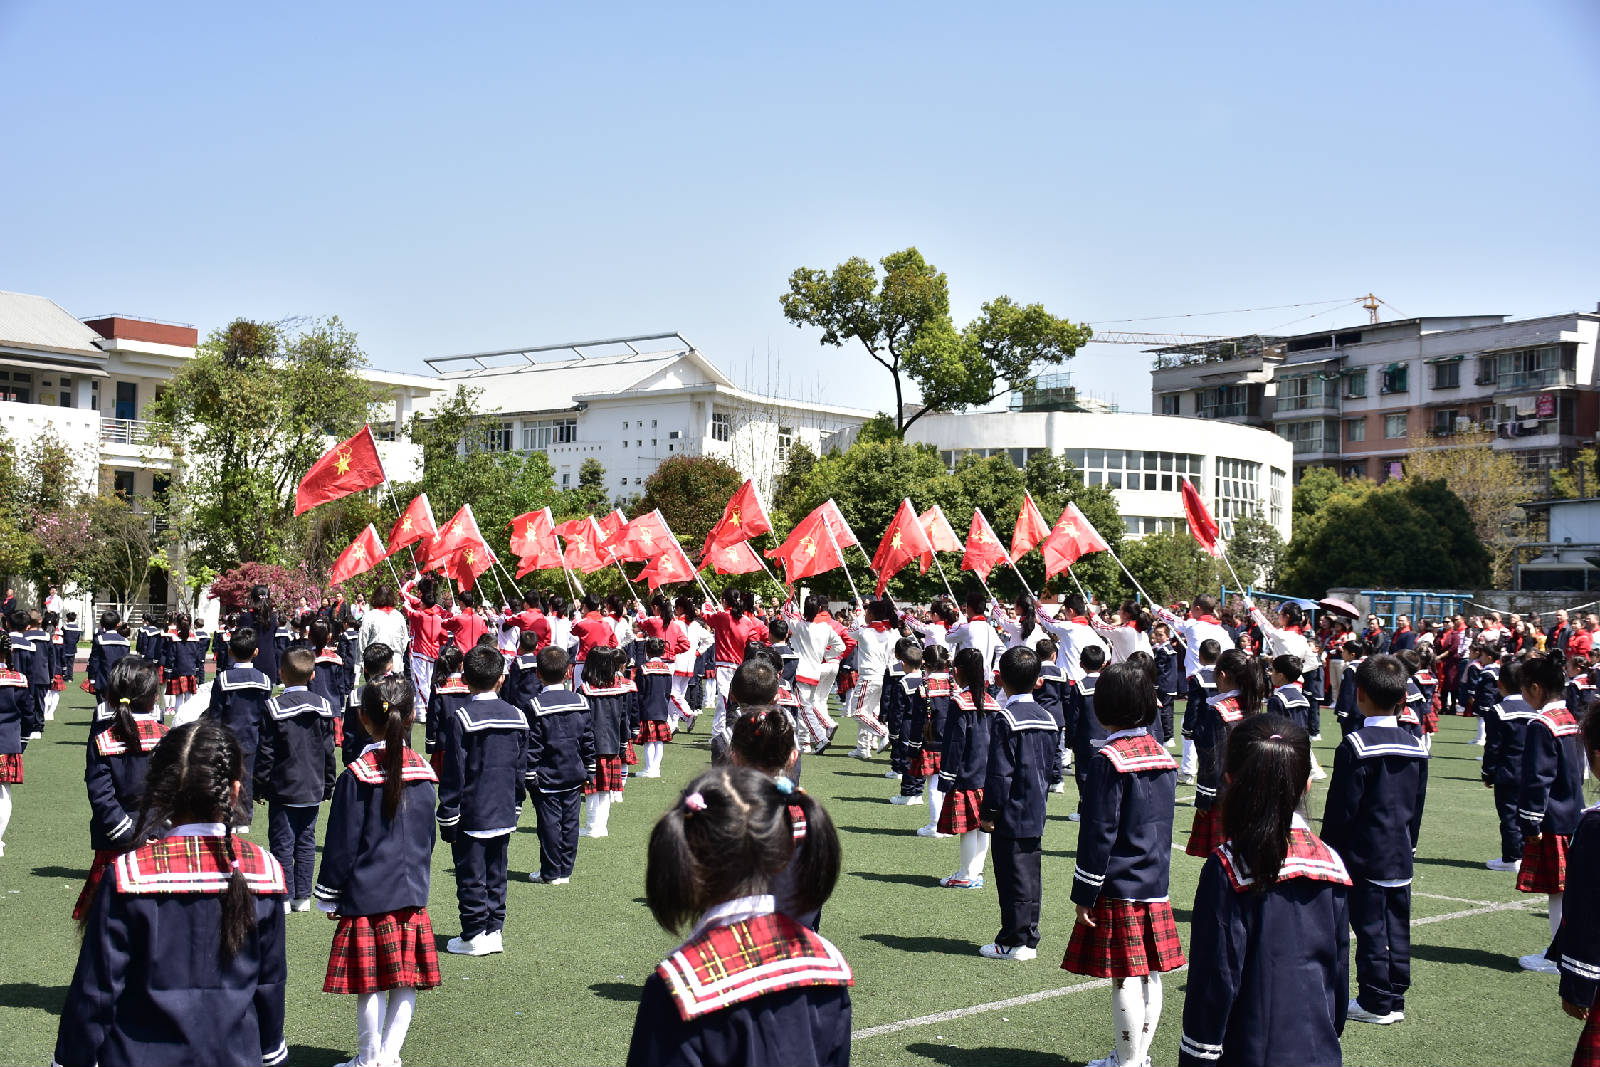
564, 991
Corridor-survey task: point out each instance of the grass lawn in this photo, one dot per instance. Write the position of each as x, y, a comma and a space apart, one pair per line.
564, 991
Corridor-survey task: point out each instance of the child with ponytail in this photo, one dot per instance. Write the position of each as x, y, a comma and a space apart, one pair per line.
1577, 942
375, 874
117, 762
183, 655
1269, 952
614, 715
712, 861
1550, 797
1241, 690
15, 699
963, 765
182, 958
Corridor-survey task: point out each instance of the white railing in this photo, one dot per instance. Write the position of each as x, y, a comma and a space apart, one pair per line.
124, 432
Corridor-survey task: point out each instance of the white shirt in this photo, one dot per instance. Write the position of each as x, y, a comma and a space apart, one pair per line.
978, 634
1285, 642
1073, 637
387, 626
1124, 639
1193, 632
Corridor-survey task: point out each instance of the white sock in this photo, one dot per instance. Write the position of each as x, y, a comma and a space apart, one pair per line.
969, 846
1127, 1016
935, 800
402, 1004
602, 813
652, 756
590, 802
1190, 760
370, 1010
1482, 733
1555, 914
5, 811
980, 852
1152, 1012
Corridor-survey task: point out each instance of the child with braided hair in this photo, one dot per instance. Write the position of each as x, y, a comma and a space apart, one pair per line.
210, 988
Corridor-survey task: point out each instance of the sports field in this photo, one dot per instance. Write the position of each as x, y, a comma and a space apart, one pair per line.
564, 991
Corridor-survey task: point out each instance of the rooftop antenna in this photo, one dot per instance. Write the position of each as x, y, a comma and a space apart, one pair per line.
1371, 302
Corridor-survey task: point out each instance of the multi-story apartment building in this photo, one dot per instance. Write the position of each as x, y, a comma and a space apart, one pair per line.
1359, 399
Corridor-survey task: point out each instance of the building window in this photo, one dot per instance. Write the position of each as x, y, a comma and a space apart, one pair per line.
1275, 497
1396, 378
1169, 403
785, 443
1238, 488
539, 436
1223, 402
494, 437
624, 424
1355, 384
721, 428
1355, 470
1488, 370
1444, 421
1447, 375
1355, 430
1130, 469
566, 479
652, 424
654, 443
122, 483
1305, 392
1315, 435
1394, 426
127, 401
673, 435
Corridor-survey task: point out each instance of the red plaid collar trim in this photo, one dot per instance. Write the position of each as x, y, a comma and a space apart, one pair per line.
369, 768
196, 865
786, 697
452, 686
614, 690
657, 666
1308, 858
938, 685
12, 678
1228, 709
728, 965
1141, 752
151, 731
963, 700
1558, 720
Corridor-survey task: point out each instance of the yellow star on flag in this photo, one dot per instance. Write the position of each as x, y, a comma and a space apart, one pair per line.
734, 518
359, 553
342, 464
405, 524
470, 557
809, 543
983, 537
896, 542
527, 531
646, 536
1069, 529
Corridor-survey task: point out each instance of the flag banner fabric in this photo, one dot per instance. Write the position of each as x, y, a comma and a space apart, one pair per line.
742, 519
414, 524
347, 467
904, 541
941, 535
1073, 538
809, 550
984, 552
363, 554
1201, 524
1031, 528
737, 558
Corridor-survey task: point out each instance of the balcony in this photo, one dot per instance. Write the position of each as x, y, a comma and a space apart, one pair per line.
1322, 400
134, 432
1546, 378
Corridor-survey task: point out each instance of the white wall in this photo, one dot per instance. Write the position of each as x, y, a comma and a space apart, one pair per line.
78, 429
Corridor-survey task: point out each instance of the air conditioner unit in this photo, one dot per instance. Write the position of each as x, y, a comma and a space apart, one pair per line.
1463, 425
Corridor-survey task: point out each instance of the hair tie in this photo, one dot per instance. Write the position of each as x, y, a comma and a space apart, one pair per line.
784, 783
386, 707
123, 702
1275, 737
695, 802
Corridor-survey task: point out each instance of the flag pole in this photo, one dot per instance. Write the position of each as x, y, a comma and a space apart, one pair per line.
826, 525
1081, 590
1018, 573
942, 577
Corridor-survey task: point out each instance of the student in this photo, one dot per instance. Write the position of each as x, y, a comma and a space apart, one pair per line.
1576, 948
425, 619
712, 862
294, 771
1169, 659
377, 661
1550, 800
1345, 711
1125, 930
764, 740
14, 701
1269, 949
183, 655
1052, 691
108, 646
1086, 731
1201, 686
1428, 683
522, 673
116, 762
327, 679
58, 681
1240, 692
375, 876
1486, 695
778, 633
1290, 700
909, 711
485, 762
1412, 720
185, 969
614, 714
238, 701
1367, 822
30, 652
1581, 693
71, 634
450, 692
928, 733
263, 620
876, 637
655, 705
1022, 745
819, 648
561, 761
963, 766
1502, 763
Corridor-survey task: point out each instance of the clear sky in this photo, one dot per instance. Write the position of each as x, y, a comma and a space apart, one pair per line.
461, 177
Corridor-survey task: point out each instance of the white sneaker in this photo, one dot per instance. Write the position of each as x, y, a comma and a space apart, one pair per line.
496, 941
1316, 737
1501, 865
1318, 774
1011, 952
560, 881
594, 833
303, 904
1356, 1013
905, 800
1075, 817
1535, 962
36, 735
929, 831
1059, 787
860, 754
891, 774
477, 945
1105, 1061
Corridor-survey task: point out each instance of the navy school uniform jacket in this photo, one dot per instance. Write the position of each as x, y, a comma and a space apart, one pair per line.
791, 662
485, 759
1051, 692
1551, 798
1125, 836
1428, 683
151, 985
1217, 714
184, 658
1345, 708
523, 683
16, 702
1505, 738
655, 691
372, 865
114, 773
714, 1001
1291, 702
964, 758
1372, 797
294, 755
1269, 971
892, 709
914, 730
238, 701
1169, 670
1486, 696
1022, 746
266, 629
561, 751
349, 648
1202, 684
147, 642
613, 713
449, 696
219, 649
71, 634
38, 667
327, 678
1084, 728
1581, 695
1576, 949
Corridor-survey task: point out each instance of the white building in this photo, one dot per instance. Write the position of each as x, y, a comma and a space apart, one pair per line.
633, 402
1238, 470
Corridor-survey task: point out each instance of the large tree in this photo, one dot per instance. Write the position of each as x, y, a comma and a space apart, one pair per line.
903, 321
1491, 483
1172, 566
690, 492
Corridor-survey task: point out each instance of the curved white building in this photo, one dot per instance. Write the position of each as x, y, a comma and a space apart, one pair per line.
1239, 470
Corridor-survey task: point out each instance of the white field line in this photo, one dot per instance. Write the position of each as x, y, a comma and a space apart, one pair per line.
1484, 908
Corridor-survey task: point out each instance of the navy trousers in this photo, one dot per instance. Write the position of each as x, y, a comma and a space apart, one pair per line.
480, 882
1505, 803
558, 830
1017, 876
1381, 919
292, 836
1422, 798
1164, 716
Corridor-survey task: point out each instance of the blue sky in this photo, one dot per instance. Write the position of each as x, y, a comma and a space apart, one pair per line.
454, 178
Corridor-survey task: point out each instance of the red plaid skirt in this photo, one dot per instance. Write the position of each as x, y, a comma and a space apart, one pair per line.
182, 686
1129, 939
1206, 834
11, 769
1544, 865
1587, 1053
103, 859
628, 755
654, 730
57, 684
960, 811
925, 764
86, 685
376, 952
607, 776
1430, 722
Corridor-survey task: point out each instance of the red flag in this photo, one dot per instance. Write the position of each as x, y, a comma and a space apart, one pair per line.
669, 566
1201, 524
984, 550
737, 558
613, 525
742, 519
1073, 538
533, 540
573, 527
809, 550
1031, 528
643, 539
345, 468
363, 554
904, 541
415, 523
836, 522
941, 537
583, 548
461, 531
467, 563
